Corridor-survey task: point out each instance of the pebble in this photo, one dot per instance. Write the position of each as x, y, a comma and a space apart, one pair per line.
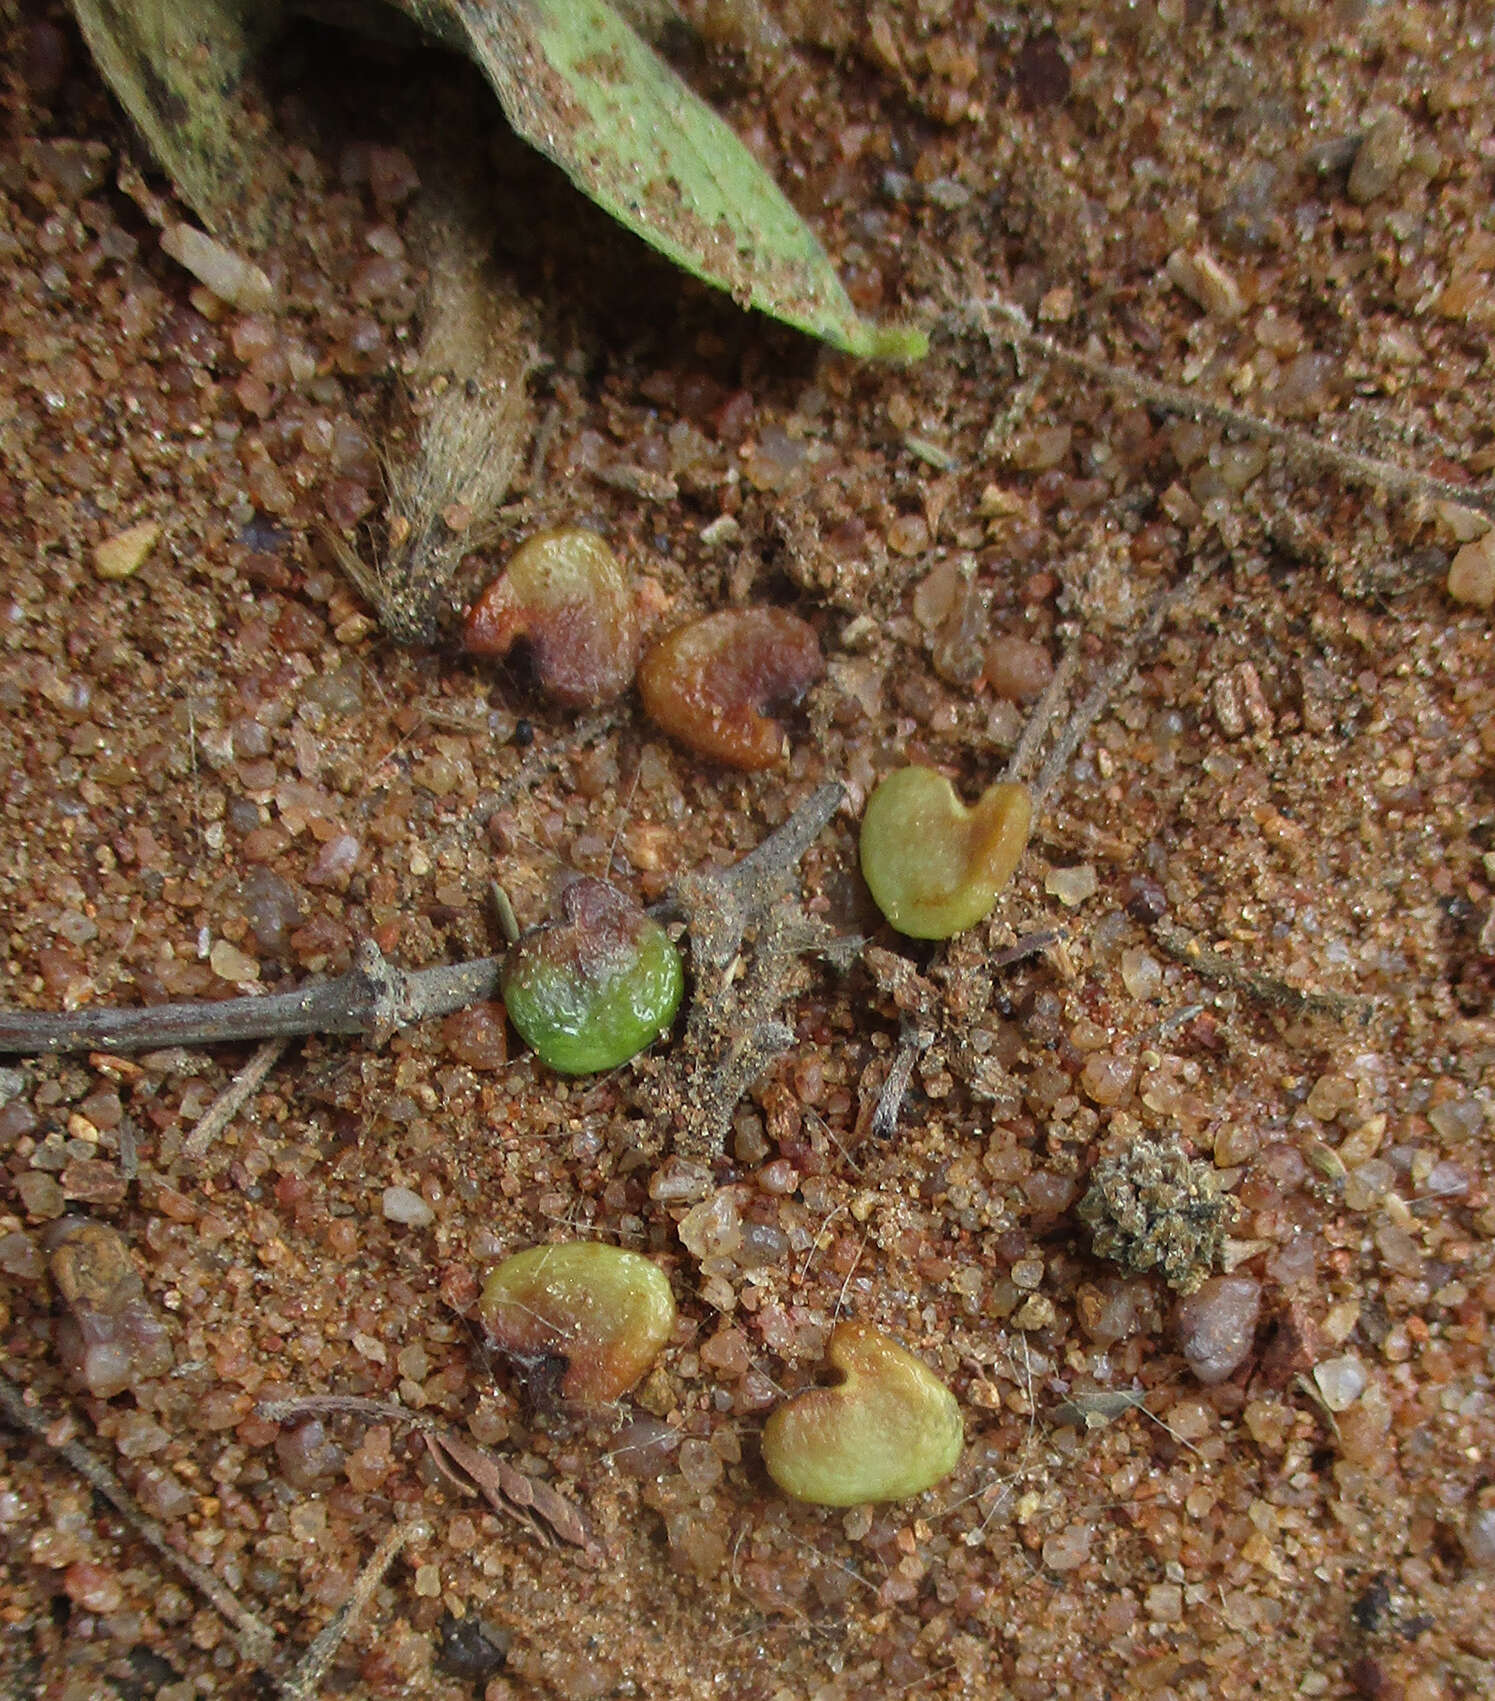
1141, 973
1471, 575
403, 1206
1379, 158
228, 275
1341, 1381
1216, 1327
125, 553
1071, 886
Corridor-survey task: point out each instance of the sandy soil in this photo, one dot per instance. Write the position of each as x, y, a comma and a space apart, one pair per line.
218, 776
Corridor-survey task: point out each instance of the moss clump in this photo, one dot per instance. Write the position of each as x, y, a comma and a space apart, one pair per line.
1151, 1208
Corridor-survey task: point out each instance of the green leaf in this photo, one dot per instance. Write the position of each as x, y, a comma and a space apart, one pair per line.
578, 84
575, 81
181, 69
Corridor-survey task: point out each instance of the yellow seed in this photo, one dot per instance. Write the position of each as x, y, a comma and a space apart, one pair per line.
889, 1430
934, 867
605, 1311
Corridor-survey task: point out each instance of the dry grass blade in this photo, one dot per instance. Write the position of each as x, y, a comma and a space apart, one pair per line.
509, 1491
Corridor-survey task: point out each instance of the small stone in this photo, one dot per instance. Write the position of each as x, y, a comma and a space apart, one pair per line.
1069, 1549
1206, 282
1141, 973
1379, 159
1216, 1327
229, 276
1471, 575
400, 1205
1341, 1381
125, 553
229, 963
1071, 886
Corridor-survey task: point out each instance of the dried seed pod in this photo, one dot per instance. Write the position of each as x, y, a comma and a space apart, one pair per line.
709, 683
888, 1430
934, 867
591, 991
570, 597
605, 1311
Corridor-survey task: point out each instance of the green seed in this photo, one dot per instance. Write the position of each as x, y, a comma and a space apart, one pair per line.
934, 867
605, 1311
593, 990
887, 1431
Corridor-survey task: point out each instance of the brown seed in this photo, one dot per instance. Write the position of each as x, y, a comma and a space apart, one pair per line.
709, 683
572, 599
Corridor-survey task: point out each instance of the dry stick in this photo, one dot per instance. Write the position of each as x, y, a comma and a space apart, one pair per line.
227, 1105
1113, 677
1302, 448
374, 998
257, 1640
1211, 965
722, 903
303, 1683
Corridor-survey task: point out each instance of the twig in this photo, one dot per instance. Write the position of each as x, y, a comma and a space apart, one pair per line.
373, 997
1307, 452
257, 1641
912, 1041
304, 1682
720, 904
1267, 989
226, 1106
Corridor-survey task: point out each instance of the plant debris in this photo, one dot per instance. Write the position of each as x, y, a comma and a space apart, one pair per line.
1150, 1207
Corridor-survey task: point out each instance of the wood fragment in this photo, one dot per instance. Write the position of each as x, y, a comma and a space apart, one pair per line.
257, 1640
471, 1469
1183, 947
231, 1100
306, 1679
1304, 452
544, 1509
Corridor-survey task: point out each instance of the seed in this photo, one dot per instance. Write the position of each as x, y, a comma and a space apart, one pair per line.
605, 1311
709, 683
572, 599
934, 867
593, 990
888, 1430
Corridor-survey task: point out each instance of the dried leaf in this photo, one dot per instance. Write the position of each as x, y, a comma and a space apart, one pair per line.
509, 1491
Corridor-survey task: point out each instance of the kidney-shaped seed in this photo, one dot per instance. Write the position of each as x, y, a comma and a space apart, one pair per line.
709, 683
572, 599
605, 1311
888, 1430
591, 991
934, 867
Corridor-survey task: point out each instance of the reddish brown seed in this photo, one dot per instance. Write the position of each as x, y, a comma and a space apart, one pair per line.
570, 597
709, 683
